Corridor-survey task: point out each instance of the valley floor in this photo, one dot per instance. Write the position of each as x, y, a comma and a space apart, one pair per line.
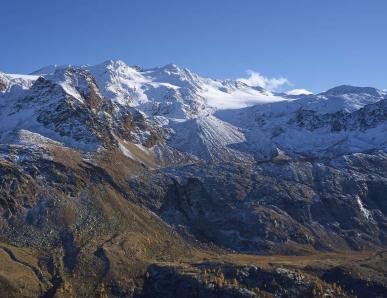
200, 273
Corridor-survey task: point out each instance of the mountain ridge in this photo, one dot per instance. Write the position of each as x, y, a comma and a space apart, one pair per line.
168, 96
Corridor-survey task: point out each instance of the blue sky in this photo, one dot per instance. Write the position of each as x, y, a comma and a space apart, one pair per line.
314, 44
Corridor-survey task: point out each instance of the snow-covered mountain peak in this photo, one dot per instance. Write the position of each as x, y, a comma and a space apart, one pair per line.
114, 68
346, 98
170, 90
11, 82
171, 67
76, 82
114, 63
50, 69
174, 75
347, 89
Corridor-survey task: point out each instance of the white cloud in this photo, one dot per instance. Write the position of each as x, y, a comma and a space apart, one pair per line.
255, 79
298, 92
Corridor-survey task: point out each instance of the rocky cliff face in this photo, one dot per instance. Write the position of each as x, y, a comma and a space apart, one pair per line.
123, 182
279, 206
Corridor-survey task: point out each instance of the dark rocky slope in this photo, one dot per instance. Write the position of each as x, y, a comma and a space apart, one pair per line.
83, 227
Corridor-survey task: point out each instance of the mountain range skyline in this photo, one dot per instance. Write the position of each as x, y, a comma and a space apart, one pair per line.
252, 78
